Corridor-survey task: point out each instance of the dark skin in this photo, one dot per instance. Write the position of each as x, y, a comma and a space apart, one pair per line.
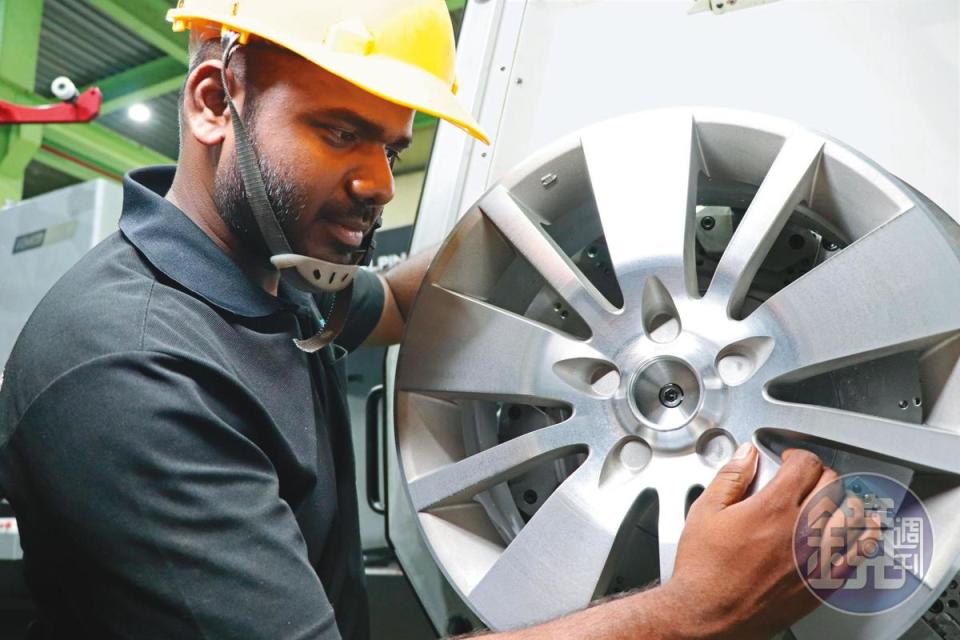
734, 575
323, 132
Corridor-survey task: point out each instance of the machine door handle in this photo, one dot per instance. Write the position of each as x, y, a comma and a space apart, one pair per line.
374, 402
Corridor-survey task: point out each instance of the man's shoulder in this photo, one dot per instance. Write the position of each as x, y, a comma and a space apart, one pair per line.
112, 301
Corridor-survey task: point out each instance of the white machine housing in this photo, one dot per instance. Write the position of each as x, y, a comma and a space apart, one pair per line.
880, 76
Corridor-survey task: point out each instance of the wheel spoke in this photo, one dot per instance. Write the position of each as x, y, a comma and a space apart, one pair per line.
478, 350
556, 562
646, 196
915, 445
789, 181
539, 249
886, 292
940, 379
464, 479
672, 499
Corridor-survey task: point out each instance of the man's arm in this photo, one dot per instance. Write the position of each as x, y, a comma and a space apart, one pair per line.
735, 576
141, 480
400, 286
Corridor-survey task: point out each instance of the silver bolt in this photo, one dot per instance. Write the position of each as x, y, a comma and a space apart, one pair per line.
548, 180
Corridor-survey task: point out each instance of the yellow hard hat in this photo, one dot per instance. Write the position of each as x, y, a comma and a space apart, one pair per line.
398, 50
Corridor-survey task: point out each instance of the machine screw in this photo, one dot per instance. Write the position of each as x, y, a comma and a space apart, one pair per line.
530, 496
830, 245
707, 223
671, 395
548, 180
592, 252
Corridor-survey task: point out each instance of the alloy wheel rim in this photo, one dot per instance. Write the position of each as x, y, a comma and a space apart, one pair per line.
509, 317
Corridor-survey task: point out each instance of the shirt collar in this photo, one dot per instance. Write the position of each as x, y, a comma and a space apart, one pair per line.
176, 246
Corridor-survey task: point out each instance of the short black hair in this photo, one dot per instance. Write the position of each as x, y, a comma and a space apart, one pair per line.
211, 49
207, 50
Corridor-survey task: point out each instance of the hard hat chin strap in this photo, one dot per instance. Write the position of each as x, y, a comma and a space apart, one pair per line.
308, 274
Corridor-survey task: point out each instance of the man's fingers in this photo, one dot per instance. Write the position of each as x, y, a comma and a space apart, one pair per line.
835, 492
800, 472
731, 482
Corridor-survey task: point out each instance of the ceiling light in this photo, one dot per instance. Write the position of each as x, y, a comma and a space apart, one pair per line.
138, 112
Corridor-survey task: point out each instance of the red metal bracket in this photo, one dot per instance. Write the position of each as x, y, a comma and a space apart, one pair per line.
84, 108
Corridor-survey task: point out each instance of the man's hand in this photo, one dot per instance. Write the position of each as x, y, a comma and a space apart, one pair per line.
735, 576
735, 573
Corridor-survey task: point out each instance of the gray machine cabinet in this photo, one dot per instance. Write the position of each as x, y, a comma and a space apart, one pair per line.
41, 238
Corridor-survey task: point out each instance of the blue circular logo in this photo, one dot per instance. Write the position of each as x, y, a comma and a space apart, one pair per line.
863, 543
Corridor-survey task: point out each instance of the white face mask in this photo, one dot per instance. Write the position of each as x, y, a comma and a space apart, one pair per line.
315, 275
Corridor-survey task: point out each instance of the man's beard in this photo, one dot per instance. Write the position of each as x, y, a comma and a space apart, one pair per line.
288, 201
230, 198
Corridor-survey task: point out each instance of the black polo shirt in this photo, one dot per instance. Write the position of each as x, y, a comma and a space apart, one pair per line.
178, 468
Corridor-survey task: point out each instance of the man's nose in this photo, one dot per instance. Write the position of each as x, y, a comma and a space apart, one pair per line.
372, 183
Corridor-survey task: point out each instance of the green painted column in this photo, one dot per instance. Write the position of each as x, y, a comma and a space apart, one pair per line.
19, 47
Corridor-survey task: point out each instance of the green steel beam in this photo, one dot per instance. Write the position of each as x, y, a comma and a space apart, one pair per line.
141, 83
20, 41
90, 145
455, 5
147, 19
19, 47
56, 160
18, 146
100, 147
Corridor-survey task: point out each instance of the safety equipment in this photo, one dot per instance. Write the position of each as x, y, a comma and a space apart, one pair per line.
399, 50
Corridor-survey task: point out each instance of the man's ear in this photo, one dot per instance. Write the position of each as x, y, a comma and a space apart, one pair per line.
205, 113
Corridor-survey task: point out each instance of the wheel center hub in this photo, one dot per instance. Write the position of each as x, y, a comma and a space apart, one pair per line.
666, 393
671, 395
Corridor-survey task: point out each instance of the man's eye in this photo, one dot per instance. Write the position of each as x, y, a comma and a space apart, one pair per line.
392, 156
341, 136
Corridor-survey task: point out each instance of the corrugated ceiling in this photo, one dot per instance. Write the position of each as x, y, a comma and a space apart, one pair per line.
80, 42
159, 133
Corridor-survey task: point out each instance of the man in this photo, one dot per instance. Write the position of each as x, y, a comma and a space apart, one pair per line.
175, 437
